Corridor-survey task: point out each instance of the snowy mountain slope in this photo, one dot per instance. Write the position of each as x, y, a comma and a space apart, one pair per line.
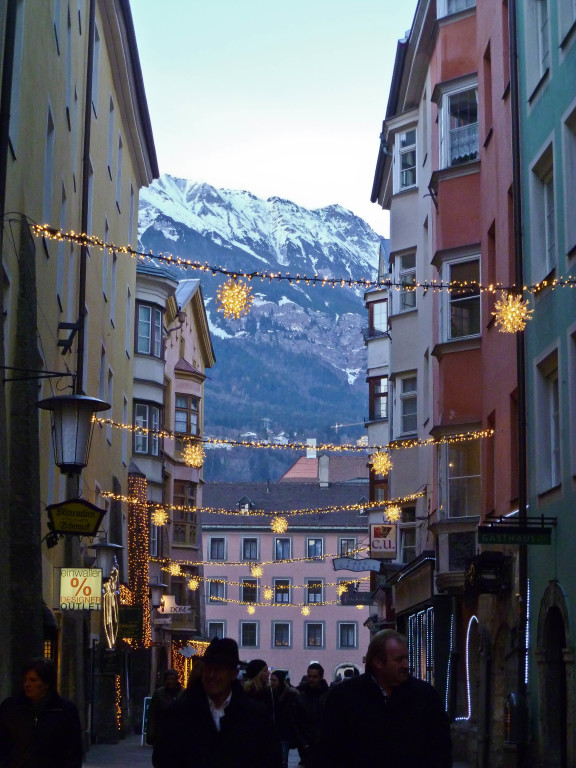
298, 358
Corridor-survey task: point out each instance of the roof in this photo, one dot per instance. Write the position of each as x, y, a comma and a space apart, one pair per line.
284, 497
341, 469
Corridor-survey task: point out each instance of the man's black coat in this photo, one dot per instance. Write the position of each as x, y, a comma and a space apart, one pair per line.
187, 736
362, 727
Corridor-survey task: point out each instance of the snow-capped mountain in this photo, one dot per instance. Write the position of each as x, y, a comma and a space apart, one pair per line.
296, 362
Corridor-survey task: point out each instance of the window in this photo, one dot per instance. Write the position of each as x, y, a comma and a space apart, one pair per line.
461, 308
282, 549
48, 168
378, 397
543, 216
458, 114
314, 635
537, 42
406, 266
548, 424
186, 414
314, 589
249, 549
347, 547
281, 634
281, 590
408, 544
378, 317
567, 12
448, 7
153, 545
569, 165
459, 479
216, 591
110, 135
408, 404
406, 159
249, 634
184, 522
249, 593
216, 629
148, 417
18, 58
347, 635
217, 549
314, 548
149, 334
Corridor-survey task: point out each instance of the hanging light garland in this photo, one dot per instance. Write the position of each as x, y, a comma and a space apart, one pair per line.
381, 463
159, 517
47, 232
512, 313
194, 454
234, 298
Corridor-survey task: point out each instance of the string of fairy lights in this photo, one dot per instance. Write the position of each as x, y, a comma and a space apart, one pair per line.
234, 297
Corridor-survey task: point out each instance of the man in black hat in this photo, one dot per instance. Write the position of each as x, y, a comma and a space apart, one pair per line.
214, 724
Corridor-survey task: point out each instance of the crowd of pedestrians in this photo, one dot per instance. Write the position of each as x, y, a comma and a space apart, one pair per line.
383, 717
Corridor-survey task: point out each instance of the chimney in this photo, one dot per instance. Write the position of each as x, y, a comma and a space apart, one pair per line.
324, 470
311, 449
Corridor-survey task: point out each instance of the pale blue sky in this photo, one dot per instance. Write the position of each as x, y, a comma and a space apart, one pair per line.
279, 98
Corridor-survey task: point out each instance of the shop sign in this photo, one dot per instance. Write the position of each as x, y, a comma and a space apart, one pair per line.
77, 517
383, 541
352, 564
80, 589
513, 535
130, 620
169, 606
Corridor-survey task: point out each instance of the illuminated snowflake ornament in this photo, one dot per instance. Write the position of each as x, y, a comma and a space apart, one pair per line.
257, 571
512, 313
251, 609
159, 517
341, 589
234, 299
193, 584
268, 594
381, 463
194, 455
393, 513
305, 611
279, 524
175, 569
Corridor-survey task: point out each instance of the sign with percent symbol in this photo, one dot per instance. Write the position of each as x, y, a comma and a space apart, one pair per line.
80, 589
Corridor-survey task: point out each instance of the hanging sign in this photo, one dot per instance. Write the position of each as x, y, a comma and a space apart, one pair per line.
383, 541
352, 564
169, 606
80, 589
76, 516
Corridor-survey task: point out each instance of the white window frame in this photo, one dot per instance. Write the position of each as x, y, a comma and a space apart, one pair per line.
351, 539
450, 7
448, 300
354, 625
445, 132
405, 266
282, 538
543, 229
307, 625
242, 553
249, 582
569, 166
407, 548
402, 151
284, 593
241, 642
147, 416
536, 42
404, 396
467, 503
225, 546
218, 594
548, 413
273, 634
222, 628
314, 581
310, 539
566, 16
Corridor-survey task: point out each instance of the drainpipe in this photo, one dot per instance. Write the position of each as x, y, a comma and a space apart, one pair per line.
521, 753
79, 384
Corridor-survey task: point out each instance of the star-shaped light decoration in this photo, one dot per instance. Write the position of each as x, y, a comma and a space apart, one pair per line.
251, 609
393, 513
381, 463
194, 454
512, 313
268, 594
279, 524
234, 298
193, 584
175, 569
159, 517
341, 589
305, 611
257, 571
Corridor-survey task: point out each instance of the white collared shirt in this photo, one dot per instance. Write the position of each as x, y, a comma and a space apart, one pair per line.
219, 712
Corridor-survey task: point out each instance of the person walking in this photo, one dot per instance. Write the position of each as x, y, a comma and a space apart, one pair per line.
385, 717
284, 703
309, 713
160, 701
257, 684
39, 728
214, 724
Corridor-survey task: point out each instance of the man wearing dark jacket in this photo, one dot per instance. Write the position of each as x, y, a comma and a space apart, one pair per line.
385, 717
308, 716
214, 724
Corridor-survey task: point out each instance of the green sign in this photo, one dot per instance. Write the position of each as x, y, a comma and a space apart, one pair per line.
130, 622
502, 534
